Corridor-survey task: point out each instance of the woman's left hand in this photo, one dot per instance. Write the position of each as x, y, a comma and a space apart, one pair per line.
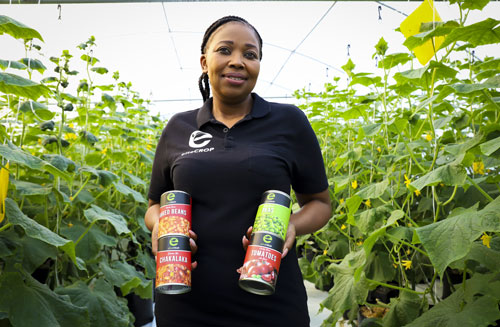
289, 239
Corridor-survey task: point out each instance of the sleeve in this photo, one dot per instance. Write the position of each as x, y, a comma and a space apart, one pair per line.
160, 176
308, 169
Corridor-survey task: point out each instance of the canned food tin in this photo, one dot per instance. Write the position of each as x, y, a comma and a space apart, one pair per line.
175, 213
263, 257
173, 260
173, 265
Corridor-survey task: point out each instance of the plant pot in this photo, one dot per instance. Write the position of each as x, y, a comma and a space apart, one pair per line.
142, 309
370, 316
383, 294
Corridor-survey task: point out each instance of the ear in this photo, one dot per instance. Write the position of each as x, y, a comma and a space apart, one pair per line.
203, 63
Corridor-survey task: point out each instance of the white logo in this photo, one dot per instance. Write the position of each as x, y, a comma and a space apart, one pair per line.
199, 139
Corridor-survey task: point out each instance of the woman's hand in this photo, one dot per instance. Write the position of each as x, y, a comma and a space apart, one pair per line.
289, 240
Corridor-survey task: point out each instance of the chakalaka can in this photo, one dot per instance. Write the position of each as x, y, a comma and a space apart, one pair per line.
263, 257
173, 260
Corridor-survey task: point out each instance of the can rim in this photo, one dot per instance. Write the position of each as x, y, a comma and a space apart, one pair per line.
278, 191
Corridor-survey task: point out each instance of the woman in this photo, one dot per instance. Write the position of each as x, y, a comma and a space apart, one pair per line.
226, 154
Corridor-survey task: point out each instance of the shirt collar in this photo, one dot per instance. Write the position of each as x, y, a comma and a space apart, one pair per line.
260, 108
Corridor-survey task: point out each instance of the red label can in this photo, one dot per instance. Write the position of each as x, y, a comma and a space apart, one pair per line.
173, 260
173, 265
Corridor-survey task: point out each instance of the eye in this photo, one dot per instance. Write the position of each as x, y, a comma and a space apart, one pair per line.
251, 55
224, 50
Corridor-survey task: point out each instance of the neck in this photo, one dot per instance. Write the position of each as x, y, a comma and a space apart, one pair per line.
231, 113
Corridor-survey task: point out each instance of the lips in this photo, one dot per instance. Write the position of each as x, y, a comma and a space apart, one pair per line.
235, 76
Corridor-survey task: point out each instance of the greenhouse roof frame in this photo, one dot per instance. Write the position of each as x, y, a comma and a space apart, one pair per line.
145, 1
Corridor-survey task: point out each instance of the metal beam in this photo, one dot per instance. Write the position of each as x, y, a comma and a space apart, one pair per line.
145, 1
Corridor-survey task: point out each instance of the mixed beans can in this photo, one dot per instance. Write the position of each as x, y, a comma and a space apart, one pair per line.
263, 257
173, 260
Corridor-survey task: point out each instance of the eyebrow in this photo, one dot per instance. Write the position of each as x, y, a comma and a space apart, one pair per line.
249, 45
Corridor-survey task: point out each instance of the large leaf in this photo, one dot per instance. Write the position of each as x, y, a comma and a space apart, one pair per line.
487, 148
403, 310
91, 244
34, 64
125, 190
38, 109
27, 188
37, 231
449, 175
105, 308
22, 87
95, 213
373, 191
127, 278
4, 64
451, 239
17, 30
484, 32
346, 293
17, 155
471, 4
373, 237
29, 303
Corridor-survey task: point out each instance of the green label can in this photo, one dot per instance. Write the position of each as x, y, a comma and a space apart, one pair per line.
263, 257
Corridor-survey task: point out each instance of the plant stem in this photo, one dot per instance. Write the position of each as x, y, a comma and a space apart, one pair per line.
407, 244
4, 227
486, 195
85, 233
394, 287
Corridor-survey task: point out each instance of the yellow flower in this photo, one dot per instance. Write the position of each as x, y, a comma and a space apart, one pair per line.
130, 171
368, 203
343, 227
359, 243
71, 125
428, 137
395, 265
379, 149
325, 252
354, 184
142, 164
407, 181
341, 212
39, 141
417, 193
407, 264
333, 163
70, 225
486, 240
71, 136
4, 185
408, 251
104, 150
478, 168
341, 200
71, 198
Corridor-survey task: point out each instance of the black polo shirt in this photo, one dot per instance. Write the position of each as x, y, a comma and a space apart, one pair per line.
226, 170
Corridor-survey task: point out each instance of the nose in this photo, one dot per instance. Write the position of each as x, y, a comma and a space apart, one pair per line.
236, 60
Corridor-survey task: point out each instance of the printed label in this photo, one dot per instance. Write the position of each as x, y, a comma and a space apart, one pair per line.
174, 242
173, 267
174, 219
261, 263
272, 218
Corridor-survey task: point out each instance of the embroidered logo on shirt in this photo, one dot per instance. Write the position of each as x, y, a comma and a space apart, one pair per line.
199, 139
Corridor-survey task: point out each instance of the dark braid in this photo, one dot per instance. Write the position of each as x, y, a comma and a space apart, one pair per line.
205, 89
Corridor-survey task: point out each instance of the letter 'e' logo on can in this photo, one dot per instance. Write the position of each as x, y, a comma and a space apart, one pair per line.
271, 196
267, 238
174, 241
171, 197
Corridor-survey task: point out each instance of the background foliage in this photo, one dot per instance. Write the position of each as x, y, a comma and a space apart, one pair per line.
77, 165
413, 159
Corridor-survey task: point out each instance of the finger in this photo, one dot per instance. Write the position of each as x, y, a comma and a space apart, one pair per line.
193, 235
154, 239
194, 264
249, 232
245, 242
290, 239
192, 244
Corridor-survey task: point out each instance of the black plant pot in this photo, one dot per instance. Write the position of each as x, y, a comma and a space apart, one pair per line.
383, 294
142, 309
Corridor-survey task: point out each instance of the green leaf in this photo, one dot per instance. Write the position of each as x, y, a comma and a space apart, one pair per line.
487, 148
393, 60
4, 64
17, 155
148, 263
105, 308
35, 253
17, 30
348, 67
450, 175
24, 188
471, 4
60, 162
353, 204
482, 254
22, 87
134, 180
373, 237
373, 191
91, 244
451, 239
481, 33
99, 70
381, 47
372, 129
346, 293
106, 177
91, 60
95, 213
403, 310
125, 190
37, 231
433, 29
127, 278
30, 303
34, 64
38, 109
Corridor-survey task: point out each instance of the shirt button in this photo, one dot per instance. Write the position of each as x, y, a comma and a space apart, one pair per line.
225, 130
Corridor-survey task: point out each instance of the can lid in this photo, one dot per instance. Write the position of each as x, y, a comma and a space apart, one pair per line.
175, 197
276, 197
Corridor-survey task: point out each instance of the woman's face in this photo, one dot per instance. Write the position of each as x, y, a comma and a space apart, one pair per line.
231, 61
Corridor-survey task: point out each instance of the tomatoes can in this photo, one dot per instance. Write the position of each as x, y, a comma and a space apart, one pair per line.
173, 265
175, 213
173, 260
260, 269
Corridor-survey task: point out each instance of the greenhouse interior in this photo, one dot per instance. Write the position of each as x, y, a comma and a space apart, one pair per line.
403, 98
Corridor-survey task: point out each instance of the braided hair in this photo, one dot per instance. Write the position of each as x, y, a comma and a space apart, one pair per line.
203, 82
